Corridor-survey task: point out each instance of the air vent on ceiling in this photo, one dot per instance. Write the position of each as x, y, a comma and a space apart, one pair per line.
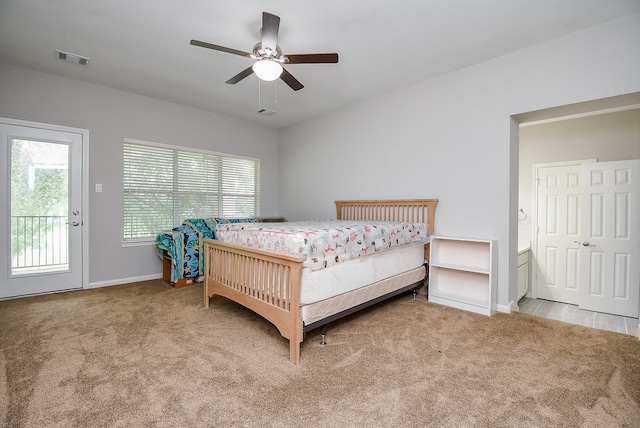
266, 112
72, 58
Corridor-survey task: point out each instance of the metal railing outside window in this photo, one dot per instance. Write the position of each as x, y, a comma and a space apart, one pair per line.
39, 242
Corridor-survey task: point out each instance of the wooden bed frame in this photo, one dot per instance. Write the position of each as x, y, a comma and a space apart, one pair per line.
268, 283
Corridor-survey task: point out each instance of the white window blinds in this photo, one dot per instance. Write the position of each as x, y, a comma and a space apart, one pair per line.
165, 185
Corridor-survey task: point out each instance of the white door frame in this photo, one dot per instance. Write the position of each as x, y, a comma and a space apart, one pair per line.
534, 216
85, 181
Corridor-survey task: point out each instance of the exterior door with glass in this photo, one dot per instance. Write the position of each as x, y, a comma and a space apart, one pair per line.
41, 207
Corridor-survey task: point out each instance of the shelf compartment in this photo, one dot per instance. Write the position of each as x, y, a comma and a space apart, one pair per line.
476, 255
469, 287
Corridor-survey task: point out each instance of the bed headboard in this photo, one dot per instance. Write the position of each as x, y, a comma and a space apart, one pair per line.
410, 210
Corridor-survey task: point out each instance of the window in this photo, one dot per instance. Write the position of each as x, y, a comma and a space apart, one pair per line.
163, 185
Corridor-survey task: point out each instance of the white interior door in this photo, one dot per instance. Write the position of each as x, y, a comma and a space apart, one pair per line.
558, 220
610, 238
41, 175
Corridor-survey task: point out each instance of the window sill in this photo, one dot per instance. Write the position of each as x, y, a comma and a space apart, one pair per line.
139, 243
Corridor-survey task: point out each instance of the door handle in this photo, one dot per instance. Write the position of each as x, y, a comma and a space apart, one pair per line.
75, 223
584, 244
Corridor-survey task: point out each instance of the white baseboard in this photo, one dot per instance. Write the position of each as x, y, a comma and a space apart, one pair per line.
507, 309
123, 281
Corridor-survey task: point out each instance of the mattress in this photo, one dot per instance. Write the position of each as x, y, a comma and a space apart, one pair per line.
328, 307
324, 243
317, 285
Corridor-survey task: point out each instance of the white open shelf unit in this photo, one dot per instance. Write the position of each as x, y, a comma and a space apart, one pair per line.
462, 274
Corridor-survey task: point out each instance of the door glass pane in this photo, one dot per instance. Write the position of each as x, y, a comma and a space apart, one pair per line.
39, 207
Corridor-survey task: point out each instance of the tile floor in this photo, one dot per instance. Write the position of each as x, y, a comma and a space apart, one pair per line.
572, 314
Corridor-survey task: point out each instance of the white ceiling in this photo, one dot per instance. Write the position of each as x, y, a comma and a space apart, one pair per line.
142, 46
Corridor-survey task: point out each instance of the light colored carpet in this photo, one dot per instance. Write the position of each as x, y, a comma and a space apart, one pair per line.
147, 355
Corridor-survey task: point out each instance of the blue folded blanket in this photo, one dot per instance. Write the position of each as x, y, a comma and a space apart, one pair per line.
185, 244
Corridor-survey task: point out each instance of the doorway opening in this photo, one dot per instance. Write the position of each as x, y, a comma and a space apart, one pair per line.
606, 130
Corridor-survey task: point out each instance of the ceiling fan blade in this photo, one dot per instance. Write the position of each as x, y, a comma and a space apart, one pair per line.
318, 58
270, 27
219, 48
238, 77
290, 80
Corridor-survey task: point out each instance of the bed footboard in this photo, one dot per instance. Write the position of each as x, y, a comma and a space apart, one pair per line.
265, 282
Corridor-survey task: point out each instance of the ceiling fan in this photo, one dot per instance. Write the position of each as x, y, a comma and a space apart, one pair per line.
269, 57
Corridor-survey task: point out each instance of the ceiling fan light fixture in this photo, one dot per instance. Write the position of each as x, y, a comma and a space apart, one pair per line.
267, 69
268, 56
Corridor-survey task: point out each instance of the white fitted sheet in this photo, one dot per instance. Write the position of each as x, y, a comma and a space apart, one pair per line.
351, 275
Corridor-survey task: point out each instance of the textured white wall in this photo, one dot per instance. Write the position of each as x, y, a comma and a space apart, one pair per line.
452, 137
112, 115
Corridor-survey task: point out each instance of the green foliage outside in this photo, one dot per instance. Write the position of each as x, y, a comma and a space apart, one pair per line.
39, 188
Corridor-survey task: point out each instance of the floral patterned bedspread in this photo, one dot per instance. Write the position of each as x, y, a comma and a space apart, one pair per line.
185, 244
324, 243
